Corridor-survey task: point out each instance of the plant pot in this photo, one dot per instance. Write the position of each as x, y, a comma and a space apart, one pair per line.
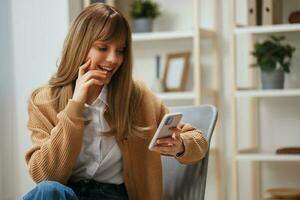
142, 25
272, 80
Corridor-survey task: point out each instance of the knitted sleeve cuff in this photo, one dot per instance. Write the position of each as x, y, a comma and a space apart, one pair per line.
74, 109
195, 146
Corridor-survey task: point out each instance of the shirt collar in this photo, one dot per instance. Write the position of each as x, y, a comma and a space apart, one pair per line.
102, 98
103, 95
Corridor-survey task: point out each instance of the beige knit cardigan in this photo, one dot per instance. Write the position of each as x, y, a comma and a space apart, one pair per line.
57, 138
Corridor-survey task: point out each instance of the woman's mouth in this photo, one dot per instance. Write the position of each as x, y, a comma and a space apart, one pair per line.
105, 69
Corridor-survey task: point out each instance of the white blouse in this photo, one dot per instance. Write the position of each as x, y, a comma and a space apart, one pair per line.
100, 158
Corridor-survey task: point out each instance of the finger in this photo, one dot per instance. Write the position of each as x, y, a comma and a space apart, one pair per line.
165, 140
176, 133
175, 130
164, 151
164, 145
179, 141
82, 68
93, 82
176, 136
167, 150
93, 74
174, 140
171, 149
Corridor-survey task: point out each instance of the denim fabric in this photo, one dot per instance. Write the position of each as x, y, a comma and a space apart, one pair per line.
50, 190
93, 190
82, 190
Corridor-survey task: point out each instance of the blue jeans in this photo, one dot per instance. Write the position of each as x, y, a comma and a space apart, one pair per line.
82, 190
50, 190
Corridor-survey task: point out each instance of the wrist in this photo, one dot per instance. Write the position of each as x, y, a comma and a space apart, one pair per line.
180, 153
74, 108
78, 99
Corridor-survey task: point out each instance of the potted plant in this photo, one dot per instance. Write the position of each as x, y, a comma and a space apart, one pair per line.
273, 58
143, 12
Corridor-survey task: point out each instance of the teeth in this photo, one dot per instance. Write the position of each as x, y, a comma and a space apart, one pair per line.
106, 68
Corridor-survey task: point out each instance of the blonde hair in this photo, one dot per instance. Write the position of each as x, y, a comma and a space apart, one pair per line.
105, 23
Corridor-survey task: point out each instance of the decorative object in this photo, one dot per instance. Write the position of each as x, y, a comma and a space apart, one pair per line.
157, 85
176, 71
273, 58
271, 12
288, 150
294, 17
143, 12
273, 79
249, 13
285, 193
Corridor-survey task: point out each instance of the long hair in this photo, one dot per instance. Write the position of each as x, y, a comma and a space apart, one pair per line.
105, 23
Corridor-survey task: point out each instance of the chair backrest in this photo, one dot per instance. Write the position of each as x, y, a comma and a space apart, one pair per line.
188, 182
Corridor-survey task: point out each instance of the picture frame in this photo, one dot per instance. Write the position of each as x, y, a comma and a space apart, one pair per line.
176, 71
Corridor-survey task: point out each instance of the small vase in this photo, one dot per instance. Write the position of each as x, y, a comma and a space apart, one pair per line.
157, 86
272, 80
143, 25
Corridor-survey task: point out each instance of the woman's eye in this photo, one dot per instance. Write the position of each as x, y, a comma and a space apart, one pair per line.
102, 48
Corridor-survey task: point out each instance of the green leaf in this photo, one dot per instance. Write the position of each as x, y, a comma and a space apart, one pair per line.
144, 9
272, 51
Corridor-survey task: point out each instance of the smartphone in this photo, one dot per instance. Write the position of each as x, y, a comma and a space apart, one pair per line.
170, 120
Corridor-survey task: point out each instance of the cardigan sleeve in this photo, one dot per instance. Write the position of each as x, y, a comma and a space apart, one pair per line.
56, 139
195, 144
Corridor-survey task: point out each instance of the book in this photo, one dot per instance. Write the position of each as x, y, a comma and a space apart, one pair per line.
252, 13
271, 12
248, 13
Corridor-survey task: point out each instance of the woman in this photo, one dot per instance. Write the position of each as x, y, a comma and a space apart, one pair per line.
92, 124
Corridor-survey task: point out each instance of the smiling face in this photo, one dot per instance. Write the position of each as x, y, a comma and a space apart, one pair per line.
107, 57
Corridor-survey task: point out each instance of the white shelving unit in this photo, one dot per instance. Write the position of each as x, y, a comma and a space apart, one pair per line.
268, 93
267, 157
267, 29
170, 35
168, 96
255, 157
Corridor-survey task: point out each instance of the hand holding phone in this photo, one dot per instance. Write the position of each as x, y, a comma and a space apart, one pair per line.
170, 120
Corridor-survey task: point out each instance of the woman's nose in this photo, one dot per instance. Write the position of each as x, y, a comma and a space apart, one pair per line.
112, 57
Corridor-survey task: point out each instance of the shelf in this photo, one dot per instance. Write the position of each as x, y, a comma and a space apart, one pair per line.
268, 93
267, 157
162, 35
268, 29
176, 95
171, 35
206, 33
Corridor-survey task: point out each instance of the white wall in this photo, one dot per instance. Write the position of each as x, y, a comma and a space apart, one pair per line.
38, 31
7, 101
